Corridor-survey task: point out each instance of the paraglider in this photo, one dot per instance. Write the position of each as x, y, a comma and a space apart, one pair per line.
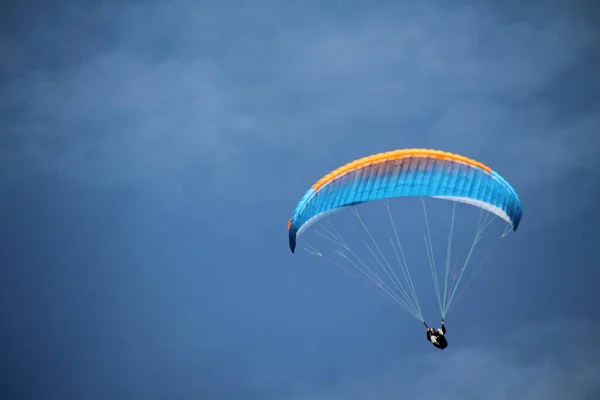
396, 175
437, 337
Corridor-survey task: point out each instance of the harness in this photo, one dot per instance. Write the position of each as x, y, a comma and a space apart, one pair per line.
437, 338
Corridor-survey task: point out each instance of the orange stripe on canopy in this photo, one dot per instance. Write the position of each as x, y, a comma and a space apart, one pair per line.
396, 155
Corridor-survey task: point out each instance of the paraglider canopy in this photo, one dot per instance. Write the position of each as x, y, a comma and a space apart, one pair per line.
407, 172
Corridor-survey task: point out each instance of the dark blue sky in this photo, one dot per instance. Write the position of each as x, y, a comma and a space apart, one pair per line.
152, 152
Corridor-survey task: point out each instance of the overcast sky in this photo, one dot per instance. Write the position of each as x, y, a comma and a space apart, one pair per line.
152, 152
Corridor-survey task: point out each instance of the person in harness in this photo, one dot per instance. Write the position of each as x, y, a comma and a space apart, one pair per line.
437, 336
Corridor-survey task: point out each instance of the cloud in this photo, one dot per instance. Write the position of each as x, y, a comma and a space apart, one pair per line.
153, 102
548, 361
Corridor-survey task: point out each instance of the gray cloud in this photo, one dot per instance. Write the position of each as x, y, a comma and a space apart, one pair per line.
436, 74
563, 367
